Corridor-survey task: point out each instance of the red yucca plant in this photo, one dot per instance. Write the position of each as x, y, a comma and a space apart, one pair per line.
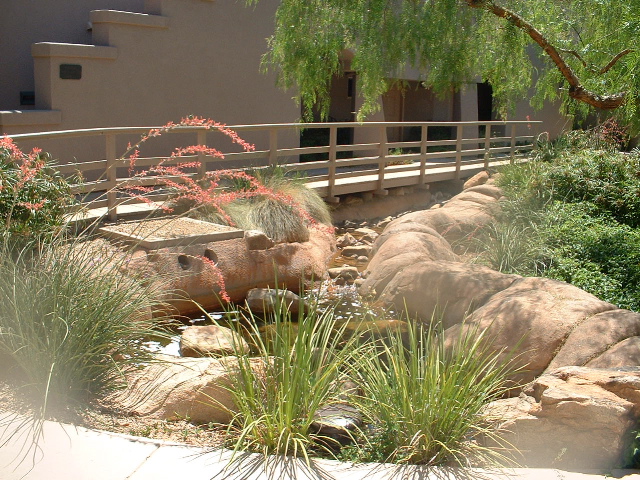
205, 190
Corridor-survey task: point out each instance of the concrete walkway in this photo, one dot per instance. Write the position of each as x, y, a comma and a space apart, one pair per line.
75, 453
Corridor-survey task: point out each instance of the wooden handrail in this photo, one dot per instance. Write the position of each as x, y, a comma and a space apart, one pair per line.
457, 151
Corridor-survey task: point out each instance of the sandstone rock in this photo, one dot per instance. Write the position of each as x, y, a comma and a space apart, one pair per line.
532, 318
479, 178
384, 222
446, 290
265, 300
600, 340
400, 246
572, 418
362, 259
345, 273
187, 275
257, 240
362, 231
178, 388
356, 251
345, 240
211, 340
455, 220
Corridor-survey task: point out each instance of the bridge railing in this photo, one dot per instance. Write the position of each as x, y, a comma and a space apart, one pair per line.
331, 164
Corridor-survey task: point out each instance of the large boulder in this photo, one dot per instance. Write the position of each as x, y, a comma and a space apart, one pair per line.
572, 418
443, 290
427, 235
178, 388
532, 319
196, 273
400, 246
460, 216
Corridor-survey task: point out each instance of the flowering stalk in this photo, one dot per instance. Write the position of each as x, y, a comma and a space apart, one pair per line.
207, 190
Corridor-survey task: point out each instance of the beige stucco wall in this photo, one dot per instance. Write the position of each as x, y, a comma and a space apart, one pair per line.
198, 57
23, 23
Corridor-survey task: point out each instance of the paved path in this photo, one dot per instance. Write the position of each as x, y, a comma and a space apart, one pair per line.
74, 453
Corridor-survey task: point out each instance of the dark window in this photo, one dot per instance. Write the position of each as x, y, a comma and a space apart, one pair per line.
70, 72
27, 98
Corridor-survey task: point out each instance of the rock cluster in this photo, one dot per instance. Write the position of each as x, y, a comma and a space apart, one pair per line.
543, 323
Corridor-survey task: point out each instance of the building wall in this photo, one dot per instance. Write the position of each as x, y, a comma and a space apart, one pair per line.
24, 22
199, 57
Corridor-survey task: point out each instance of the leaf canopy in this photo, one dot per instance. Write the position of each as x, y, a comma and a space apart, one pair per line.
453, 42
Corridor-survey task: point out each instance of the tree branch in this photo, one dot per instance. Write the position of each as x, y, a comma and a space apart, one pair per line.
576, 90
613, 61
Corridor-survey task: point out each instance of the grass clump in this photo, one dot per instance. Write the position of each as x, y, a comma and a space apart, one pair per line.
269, 200
423, 397
295, 372
70, 322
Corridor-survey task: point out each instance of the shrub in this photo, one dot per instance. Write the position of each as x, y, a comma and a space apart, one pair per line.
581, 213
423, 400
33, 195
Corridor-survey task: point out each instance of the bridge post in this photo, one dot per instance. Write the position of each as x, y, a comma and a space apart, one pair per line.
423, 153
333, 144
512, 150
458, 151
382, 160
487, 145
273, 146
112, 177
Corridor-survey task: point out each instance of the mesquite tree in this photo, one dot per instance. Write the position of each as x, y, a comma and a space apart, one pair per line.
585, 53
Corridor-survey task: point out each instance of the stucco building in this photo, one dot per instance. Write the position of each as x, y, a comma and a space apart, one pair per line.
73, 64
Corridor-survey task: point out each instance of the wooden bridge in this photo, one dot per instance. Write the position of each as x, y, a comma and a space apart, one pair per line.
375, 157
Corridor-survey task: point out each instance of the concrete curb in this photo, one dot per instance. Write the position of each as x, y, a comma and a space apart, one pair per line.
67, 452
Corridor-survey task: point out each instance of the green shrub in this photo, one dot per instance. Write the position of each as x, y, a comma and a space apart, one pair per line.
423, 400
582, 213
594, 252
33, 195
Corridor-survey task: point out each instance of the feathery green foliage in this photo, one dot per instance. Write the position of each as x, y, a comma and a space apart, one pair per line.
451, 42
572, 215
423, 397
278, 392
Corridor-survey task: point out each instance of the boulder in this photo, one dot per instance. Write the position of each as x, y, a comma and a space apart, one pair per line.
345, 240
346, 273
356, 251
265, 300
177, 388
532, 319
479, 178
572, 418
605, 340
399, 247
257, 240
443, 290
460, 216
211, 340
